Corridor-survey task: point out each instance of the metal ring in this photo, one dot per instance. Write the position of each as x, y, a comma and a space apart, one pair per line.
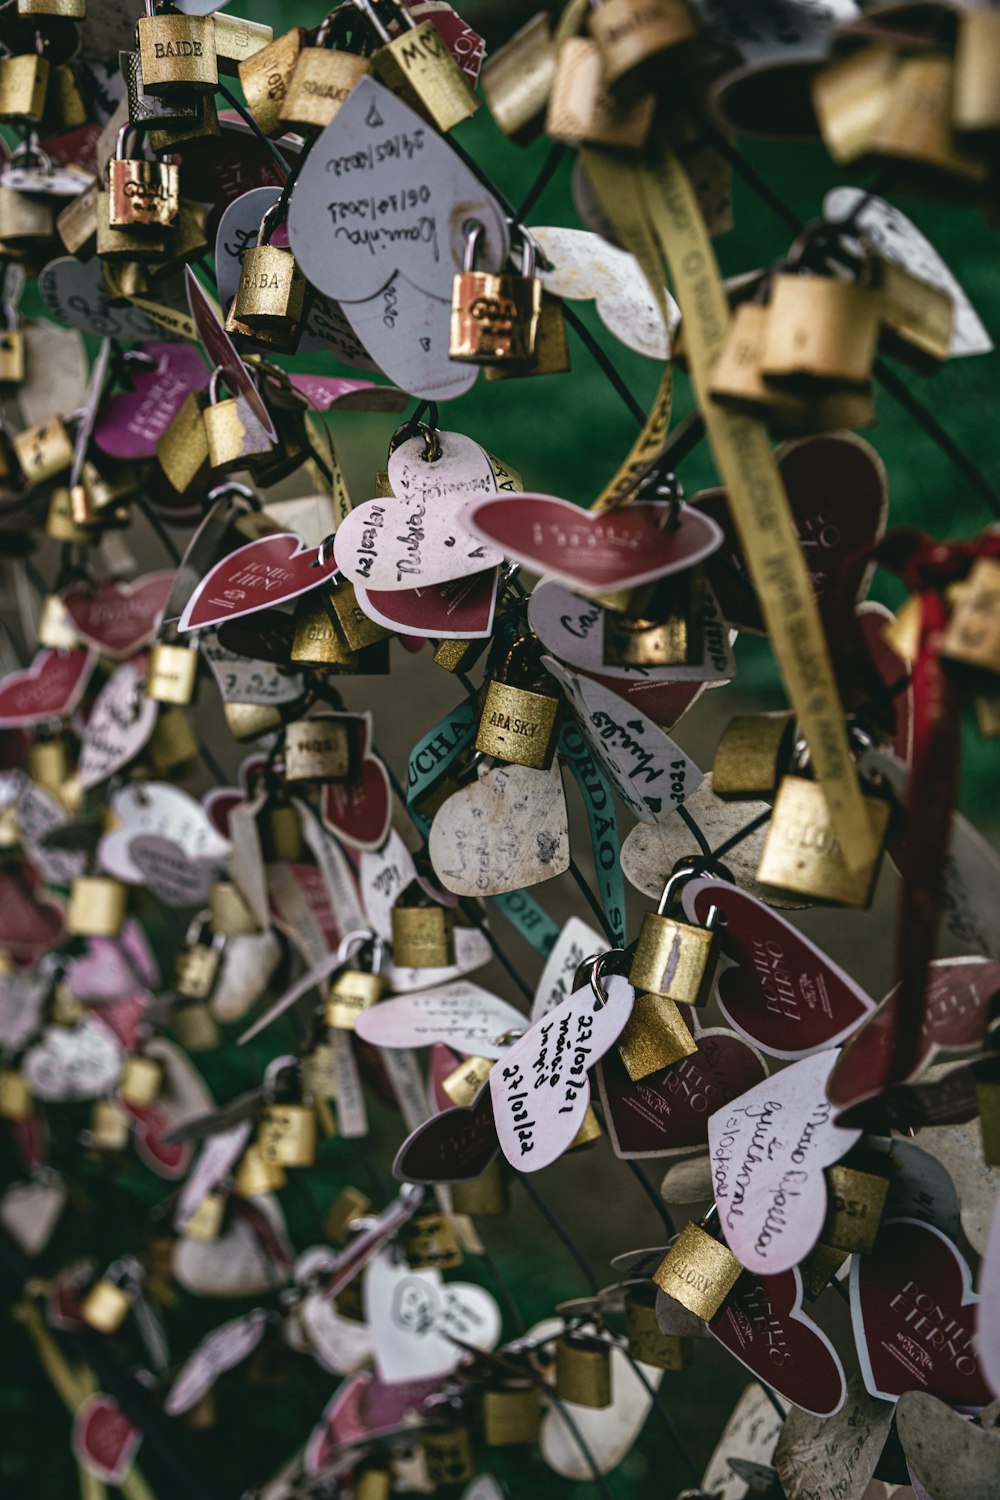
428, 430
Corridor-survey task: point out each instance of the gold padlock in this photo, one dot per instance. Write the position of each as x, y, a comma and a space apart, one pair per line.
972, 635
76, 224
55, 629
512, 1413
583, 1370
133, 243
177, 52
646, 1342
287, 1135
109, 1129
203, 127
821, 333
448, 1455
674, 958
280, 826
237, 40
320, 749
24, 84
272, 289
494, 318
15, 1096
321, 80
206, 1222
636, 38
141, 192
802, 855
464, 1083
69, 10
25, 217
737, 382
916, 133
976, 107
48, 762
850, 97
173, 742
194, 1026
655, 1037
486, 1195
349, 1205
254, 1176
354, 989
428, 1241
142, 1080
583, 108
519, 718
551, 356
11, 350
371, 1482
918, 319
44, 451
819, 1268
172, 673
182, 451
856, 1201
106, 1305
199, 961
752, 755
517, 79
669, 631
230, 442
359, 632
248, 721
423, 935
265, 77
97, 906
230, 914
698, 1272
418, 67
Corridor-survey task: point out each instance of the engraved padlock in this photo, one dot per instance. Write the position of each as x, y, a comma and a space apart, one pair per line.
675, 958
237, 40
464, 1083
271, 291
265, 77
494, 316
855, 1203
551, 354
230, 443
178, 52
323, 77
320, 749
287, 1131
418, 67
172, 673
142, 193
639, 39
355, 988
357, 629
144, 243
821, 333
44, 451
517, 79
24, 84
583, 108
97, 906
583, 1370
698, 1271
423, 934
752, 755
802, 853
199, 961
148, 111
519, 718
203, 126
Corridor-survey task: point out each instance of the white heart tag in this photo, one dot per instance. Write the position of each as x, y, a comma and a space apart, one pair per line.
609, 1433
120, 723
237, 1264
39, 813
584, 268
219, 1351
71, 1063
412, 1313
341, 1345
541, 1086
29, 1212
750, 1433
577, 941
409, 333
768, 1149
461, 1015
383, 875
154, 808
506, 831
243, 680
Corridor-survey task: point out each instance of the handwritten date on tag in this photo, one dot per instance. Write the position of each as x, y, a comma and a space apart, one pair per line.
768, 1149
541, 1087
460, 1015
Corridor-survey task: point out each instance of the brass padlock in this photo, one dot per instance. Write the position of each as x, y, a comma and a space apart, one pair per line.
230, 443
915, 132
194, 1026
583, 108
24, 84
287, 1135
448, 1454
494, 317
517, 79
512, 1413
230, 914
819, 1268
265, 77
458, 656
485, 1195
248, 721
423, 935
142, 1080
918, 318
464, 1083
25, 218
141, 192
355, 989
178, 52
44, 451
752, 755
636, 38
551, 356
646, 1342
674, 958
349, 1206
856, 1201
68, 10
55, 629
972, 635
65, 107
821, 333
254, 1176
182, 451
172, 673
11, 350
272, 289
418, 67
358, 631
737, 382
802, 854
698, 1272
147, 111
850, 97
319, 1074
173, 742
97, 906
15, 1096
109, 1128
280, 828
199, 961
136, 242
976, 107
237, 40
583, 1370
371, 1482
108, 1303
206, 1222
320, 749
655, 1036
669, 630
48, 762
519, 718
60, 524
76, 225
203, 127
428, 1241
321, 80
317, 641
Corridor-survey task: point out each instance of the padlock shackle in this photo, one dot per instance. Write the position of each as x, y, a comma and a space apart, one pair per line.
689, 870
370, 13
218, 374
272, 1073
357, 939
598, 964
473, 229
529, 250
270, 220
429, 431
124, 132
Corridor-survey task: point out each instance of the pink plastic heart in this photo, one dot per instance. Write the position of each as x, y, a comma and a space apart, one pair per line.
49, 689
270, 571
130, 425
118, 618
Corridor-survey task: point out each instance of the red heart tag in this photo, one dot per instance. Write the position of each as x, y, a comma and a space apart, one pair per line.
222, 351
836, 487
668, 1111
130, 425
465, 45
456, 1145
459, 610
593, 551
892, 669
269, 571
150, 1125
784, 994
663, 702
360, 812
958, 1004
118, 618
949, 1099
49, 689
763, 1324
219, 803
30, 923
104, 1440
914, 1314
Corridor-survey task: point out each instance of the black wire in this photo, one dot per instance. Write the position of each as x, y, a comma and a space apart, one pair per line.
541, 182
248, 119
559, 1229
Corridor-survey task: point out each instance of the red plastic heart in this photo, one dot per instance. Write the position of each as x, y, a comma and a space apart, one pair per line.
360, 812
49, 689
762, 1323
270, 571
118, 618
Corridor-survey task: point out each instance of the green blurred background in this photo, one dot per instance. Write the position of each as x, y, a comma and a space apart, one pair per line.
566, 436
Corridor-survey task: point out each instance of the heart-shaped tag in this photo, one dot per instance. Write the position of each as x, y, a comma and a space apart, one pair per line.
118, 726
238, 1263
837, 492
221, 1350
359, 812
651, 774
783, 992
593, 551
57, 371
31, 922
951, 1457
49, 689
577, 941
351, 227
914, 1310
541, 1086
338, 1344
129, 425
455, 1145
833, 1458
270, 571
39, 814
583, 267
383, 875
460, 1015
609, 1433
769, 1148
573, 630
506, 831
763, 1325
118, 619
157, 808
408, 332
750, 1433
71, 1063
222, 351
104, 1440
245, 680
669, 1111
29, 1212
461, 610
958, 1004
22, 1001
988, 1310
412, 1313
113, 967
75, 294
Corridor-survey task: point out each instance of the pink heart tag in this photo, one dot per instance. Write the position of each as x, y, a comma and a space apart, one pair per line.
270, 571
784, 994
669, 1111
460, 610
104, 1440
49, 689
589, 550
914, 1312
763, 1324
130, 425
117, 619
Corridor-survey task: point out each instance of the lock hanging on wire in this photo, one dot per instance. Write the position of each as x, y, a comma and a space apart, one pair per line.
287, 1132
423, 934
494, 316
698, 1270
418, 67
674, 958
177, 52
519, 718
355, 989
200, 960
323, 77
142, 193
272, 290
